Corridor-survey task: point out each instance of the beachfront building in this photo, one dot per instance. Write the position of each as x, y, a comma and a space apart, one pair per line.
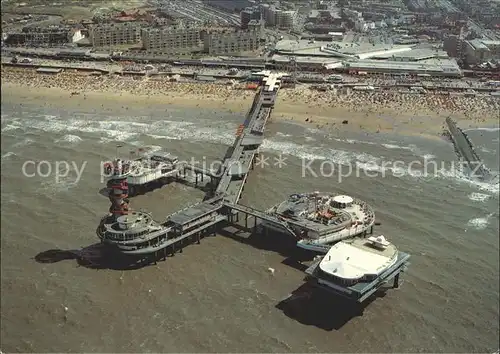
41, 37
114, 34
172, 39
478, 51
443, 68
365, 58
231, 42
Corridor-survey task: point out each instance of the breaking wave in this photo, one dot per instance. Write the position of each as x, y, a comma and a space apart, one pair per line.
483, 129
459, 175
479, 197
479, 223
222, 132
25, 142
393, 146
8, 155
11, 127
69, 138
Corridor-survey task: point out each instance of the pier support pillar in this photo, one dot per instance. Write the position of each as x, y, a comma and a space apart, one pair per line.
371, 230
396, 281
198, 235
246, 221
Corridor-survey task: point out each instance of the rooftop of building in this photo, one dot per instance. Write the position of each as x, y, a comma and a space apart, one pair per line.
229, 32
305, 60
299, 46
483, 43
414, 54
442, 65
118, 24
336, 48
171, 28
428, 65
320, 13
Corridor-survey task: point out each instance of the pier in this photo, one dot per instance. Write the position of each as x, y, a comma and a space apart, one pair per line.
363, 290
137, 234
466, 153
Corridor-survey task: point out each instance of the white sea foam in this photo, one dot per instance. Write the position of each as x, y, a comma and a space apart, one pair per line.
283, 135
103, 140
69, 138
352, 141
394, 146
150, 148
223, 133
293, 149
8, 155
154, 136
479, 197
492, 187
487, 151
25, 142
483, 129
51, 187
479, 223
413, 148
11, 127
114, 130
315, 130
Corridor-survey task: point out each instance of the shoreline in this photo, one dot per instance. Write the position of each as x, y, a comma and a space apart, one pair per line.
373, 112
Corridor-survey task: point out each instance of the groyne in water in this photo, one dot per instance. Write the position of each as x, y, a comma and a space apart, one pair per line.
466, 153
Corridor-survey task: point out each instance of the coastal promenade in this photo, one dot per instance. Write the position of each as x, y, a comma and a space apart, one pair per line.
193, 73
335, 108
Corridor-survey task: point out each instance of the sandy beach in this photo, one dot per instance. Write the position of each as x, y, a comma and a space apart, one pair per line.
371, 112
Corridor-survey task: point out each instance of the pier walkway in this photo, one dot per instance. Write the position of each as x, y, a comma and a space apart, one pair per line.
228, 182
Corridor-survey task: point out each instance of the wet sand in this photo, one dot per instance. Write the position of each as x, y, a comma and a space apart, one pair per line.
371, 112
